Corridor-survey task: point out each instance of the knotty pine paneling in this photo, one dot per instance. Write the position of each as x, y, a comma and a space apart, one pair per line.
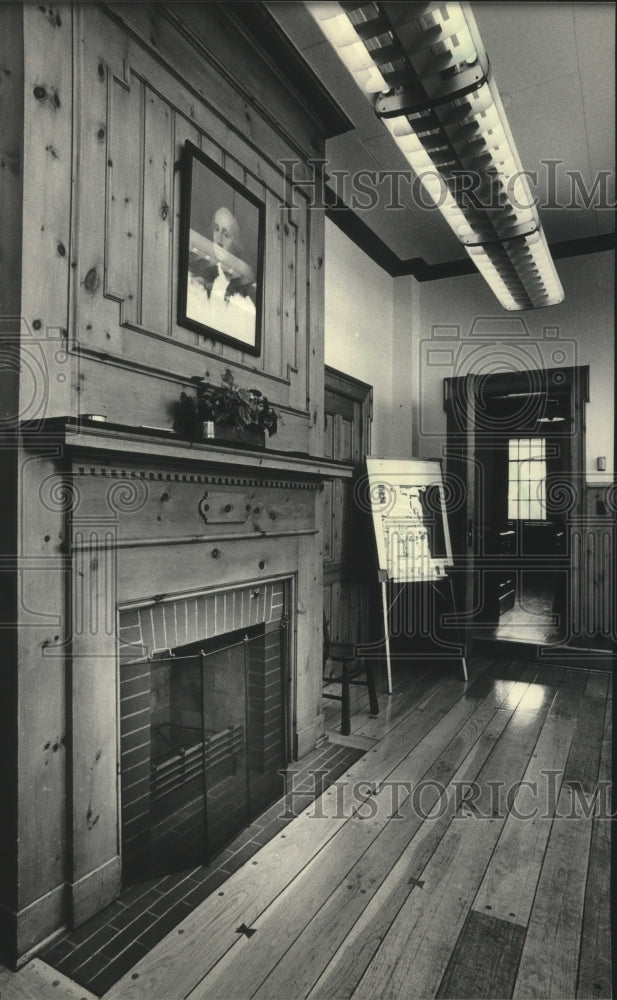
133, 119
347, 607
45, 388
11, 186
592, 543
46, 238
146, 505
106, 111
158, 229
123, 222
219, 66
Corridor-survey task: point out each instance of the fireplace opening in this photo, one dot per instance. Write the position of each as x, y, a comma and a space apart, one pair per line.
203, 738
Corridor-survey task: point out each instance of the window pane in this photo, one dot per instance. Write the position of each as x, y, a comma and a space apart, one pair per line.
542, 496
526, 479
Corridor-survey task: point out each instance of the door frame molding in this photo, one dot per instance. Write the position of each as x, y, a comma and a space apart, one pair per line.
358, 392
344, 392
461, 394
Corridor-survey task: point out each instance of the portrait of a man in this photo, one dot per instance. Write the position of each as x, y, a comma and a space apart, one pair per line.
220, 290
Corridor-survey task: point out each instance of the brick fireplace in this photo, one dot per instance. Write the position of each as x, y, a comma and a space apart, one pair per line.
203, 722
174, 546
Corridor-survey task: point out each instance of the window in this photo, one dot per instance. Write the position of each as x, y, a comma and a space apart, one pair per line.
527, 479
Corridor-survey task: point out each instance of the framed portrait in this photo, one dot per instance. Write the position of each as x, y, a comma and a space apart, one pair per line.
221, 259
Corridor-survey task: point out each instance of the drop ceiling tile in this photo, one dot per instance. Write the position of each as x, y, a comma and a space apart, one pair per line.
594, 25
595, 34
400, 230
399, 183
436, 245
548, 125
527, 43
551, 62
574, 224
346, 153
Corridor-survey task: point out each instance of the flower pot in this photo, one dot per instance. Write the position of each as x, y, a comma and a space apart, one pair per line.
228, 434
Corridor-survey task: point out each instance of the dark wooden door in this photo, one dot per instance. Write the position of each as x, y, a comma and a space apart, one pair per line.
348, 411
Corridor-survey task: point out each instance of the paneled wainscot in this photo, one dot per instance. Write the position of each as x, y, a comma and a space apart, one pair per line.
192, 531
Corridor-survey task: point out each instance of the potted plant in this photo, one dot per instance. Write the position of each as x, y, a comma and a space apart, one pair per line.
226, 412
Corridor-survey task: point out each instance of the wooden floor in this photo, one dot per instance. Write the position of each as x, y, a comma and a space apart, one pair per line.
532, 619
38, 981
456, 858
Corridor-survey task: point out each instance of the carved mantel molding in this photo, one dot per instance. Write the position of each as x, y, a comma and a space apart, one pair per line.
114, 449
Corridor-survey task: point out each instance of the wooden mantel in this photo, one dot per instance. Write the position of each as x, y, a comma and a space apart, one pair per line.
167, 447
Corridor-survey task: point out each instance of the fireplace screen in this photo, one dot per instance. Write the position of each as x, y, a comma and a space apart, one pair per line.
202, 742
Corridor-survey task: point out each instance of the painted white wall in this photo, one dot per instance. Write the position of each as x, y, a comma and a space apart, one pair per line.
404, 337
461, 328
359, 325
405, 308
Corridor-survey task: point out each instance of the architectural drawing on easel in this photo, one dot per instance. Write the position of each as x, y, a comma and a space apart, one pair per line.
411, 528
409, 517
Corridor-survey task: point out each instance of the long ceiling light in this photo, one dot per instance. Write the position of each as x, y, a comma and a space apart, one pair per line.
427, 75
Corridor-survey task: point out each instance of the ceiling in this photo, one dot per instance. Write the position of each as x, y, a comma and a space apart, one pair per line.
554, 64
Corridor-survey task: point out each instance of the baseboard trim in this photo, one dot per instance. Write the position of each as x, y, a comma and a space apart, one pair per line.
25, 930
308, 738
95, 890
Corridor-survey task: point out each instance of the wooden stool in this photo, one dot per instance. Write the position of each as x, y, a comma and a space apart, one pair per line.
352, 666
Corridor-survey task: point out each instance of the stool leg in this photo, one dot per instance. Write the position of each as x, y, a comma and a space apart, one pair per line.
372, 690
346, 711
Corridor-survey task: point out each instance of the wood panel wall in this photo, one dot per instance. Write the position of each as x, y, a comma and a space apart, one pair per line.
593, 621
11, 156
132, 357
110, 95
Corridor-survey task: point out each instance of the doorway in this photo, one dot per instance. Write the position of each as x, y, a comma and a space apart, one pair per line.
516, 447
347, 583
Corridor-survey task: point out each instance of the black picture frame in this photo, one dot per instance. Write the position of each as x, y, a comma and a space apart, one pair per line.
220, 284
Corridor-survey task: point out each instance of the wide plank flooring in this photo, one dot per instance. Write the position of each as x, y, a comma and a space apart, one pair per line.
461, 856
38, 981
465, 854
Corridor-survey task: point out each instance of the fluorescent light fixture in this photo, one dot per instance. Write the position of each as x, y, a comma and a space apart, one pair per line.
425, 71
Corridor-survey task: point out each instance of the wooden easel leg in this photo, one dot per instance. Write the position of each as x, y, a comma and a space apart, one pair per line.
384, 602
372, 690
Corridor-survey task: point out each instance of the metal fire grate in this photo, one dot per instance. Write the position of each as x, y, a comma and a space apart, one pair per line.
178, 767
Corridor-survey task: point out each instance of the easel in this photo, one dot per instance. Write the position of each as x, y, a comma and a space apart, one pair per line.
387, 608
412, 534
